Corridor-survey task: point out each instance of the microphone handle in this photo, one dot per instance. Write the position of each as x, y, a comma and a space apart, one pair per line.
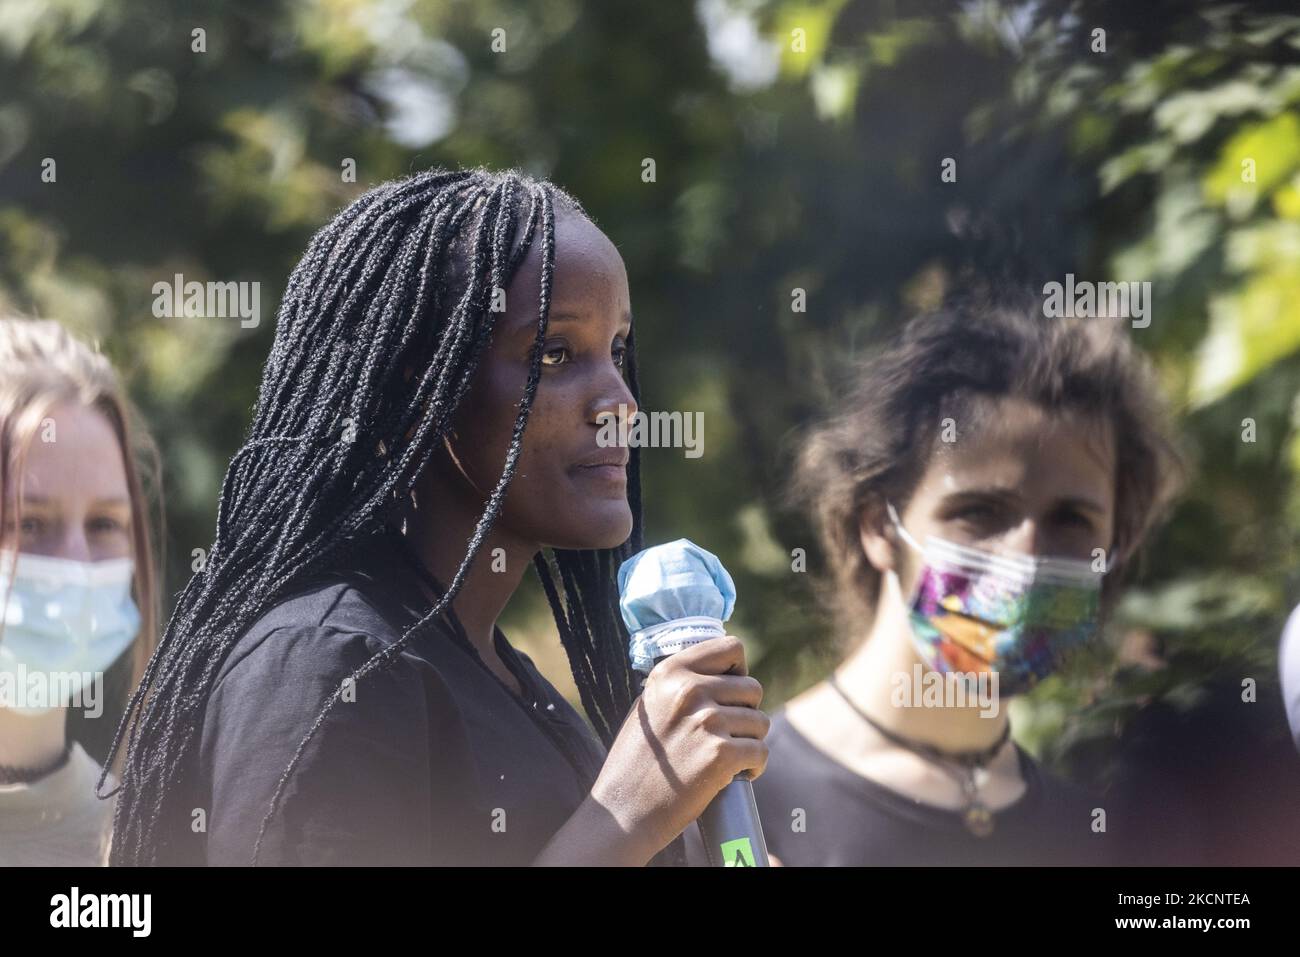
729, 826
732, 832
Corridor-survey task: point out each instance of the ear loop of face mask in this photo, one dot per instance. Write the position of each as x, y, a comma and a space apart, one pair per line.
898, 524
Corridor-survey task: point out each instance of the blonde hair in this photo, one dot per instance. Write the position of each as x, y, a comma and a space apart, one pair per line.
43, 365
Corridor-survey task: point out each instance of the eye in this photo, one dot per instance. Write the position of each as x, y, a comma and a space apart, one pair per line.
980, 517
106, 525
1074, 518
620, 356
555, 355
976, 511
32, 525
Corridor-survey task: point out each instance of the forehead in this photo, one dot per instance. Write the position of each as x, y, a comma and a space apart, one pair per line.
589, 274
83, 462
1014, 444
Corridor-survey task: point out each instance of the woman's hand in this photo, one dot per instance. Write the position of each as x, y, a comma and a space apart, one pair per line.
694, 728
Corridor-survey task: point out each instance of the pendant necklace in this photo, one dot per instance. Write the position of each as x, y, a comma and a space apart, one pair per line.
960, 766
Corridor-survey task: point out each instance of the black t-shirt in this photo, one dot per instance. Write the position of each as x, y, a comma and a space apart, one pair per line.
850, 820
435, 762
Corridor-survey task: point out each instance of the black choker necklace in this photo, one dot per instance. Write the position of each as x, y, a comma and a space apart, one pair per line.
976, 816
16, 774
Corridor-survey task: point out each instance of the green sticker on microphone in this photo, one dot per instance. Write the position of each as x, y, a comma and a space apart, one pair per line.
738, 853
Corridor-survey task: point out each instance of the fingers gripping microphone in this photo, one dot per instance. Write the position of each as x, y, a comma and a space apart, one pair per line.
673, 596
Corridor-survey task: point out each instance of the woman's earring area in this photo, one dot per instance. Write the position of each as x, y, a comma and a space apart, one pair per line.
447, 440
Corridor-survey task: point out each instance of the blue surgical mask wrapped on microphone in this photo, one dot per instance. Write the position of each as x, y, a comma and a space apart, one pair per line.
673, 596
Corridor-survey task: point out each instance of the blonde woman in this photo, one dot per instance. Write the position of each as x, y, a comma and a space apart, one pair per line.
77, 586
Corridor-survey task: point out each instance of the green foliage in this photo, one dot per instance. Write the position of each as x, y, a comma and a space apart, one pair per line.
1126, 164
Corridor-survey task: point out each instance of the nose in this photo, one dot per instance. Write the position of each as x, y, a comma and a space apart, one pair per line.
73, 545
611, 397
1026, 538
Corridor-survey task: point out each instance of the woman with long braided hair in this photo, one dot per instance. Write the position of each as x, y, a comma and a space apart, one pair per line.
332, 687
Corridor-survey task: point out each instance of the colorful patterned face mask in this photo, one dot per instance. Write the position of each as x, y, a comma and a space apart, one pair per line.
975, 611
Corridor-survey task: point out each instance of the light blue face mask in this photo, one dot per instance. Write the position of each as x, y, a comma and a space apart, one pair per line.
673, 596
63, 617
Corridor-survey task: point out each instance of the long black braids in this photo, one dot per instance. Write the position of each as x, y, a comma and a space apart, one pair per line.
339, 438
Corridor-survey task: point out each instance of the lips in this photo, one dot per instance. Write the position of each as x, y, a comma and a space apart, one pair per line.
605, 471
612, 458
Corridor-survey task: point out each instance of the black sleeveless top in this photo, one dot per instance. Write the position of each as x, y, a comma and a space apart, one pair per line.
436, 761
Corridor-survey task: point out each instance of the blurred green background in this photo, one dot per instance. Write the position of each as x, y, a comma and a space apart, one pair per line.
796, 144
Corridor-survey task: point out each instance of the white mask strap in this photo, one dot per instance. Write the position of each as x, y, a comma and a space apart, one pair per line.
898, 524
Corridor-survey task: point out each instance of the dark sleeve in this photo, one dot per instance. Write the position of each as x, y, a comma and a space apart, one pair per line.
360, 793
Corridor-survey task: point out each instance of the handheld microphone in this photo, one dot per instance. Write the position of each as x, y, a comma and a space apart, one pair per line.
673, 596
